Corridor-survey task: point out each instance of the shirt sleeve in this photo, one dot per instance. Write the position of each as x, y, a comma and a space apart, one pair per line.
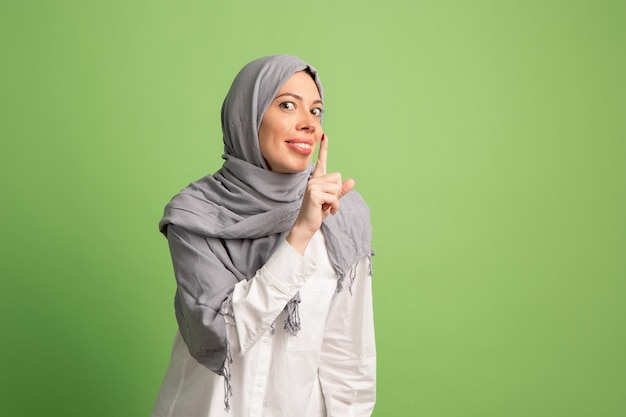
257, 302
347, 367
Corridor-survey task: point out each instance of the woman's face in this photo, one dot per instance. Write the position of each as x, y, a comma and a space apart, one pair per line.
291, 127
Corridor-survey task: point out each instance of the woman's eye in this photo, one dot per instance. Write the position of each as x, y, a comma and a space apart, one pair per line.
287, 105
317, 111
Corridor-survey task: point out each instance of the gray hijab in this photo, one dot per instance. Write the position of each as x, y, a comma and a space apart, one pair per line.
244, 210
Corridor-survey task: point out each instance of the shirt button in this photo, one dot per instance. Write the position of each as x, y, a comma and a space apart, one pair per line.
293, 289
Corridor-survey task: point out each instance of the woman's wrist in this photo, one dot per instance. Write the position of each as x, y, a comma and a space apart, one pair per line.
299, 239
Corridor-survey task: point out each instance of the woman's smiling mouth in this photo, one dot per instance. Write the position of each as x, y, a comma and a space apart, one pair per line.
304, 147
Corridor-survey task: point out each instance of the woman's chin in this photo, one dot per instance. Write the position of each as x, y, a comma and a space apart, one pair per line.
293, 168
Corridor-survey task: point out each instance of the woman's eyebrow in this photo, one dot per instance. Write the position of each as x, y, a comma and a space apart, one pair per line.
297, 97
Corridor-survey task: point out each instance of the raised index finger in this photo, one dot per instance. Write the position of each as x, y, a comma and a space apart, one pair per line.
320, 167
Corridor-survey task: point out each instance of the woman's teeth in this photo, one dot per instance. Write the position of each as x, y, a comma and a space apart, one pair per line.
301, 145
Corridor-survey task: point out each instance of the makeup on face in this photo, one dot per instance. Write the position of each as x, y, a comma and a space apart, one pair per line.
291, 126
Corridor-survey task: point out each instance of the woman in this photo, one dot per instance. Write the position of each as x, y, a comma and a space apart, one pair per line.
261, 252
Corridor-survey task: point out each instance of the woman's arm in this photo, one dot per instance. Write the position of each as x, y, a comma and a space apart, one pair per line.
347, 367
255, 303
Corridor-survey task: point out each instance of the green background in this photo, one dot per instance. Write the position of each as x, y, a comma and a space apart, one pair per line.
489, 138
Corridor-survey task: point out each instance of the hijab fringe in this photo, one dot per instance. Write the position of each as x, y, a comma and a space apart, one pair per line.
352, 274
227, 310
292, 322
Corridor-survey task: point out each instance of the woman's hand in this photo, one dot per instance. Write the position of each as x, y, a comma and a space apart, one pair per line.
320, 200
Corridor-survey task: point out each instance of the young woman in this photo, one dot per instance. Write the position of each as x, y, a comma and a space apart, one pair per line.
272, 258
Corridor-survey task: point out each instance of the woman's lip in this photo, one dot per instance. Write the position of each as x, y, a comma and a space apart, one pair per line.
300, 140
303, 150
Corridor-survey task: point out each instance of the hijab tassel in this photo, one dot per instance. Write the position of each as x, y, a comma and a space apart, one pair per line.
227, 311
228, 388
292, 322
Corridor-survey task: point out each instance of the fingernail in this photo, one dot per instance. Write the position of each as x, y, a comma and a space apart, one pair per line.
323, 137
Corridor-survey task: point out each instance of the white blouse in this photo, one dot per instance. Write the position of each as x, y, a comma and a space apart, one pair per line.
327, 369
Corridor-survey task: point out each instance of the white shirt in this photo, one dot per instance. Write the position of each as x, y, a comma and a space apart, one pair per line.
327, 370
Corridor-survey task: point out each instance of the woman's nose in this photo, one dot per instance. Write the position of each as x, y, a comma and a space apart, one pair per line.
308, 121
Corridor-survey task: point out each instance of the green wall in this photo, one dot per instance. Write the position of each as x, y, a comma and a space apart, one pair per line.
489, 138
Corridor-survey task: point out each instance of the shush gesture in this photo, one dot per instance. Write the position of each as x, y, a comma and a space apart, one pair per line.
273, 186
321, 199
